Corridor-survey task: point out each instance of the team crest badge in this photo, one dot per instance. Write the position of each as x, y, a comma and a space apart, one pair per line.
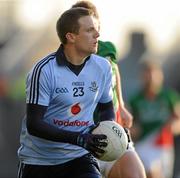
93, 86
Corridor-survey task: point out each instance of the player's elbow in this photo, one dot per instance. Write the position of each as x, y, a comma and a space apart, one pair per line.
31, 127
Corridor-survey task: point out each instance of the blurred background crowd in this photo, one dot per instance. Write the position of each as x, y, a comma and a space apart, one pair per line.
27, 33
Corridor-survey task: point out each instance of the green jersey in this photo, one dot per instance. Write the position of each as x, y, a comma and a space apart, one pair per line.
108, 50
152, 115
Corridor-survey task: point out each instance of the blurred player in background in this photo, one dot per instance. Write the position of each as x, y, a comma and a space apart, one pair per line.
62, 91
108, 50
129, 165
154, 110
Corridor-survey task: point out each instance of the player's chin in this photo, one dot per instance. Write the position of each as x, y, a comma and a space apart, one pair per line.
94, 50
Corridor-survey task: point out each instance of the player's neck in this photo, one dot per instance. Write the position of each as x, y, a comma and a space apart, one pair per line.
151, 93
74, 57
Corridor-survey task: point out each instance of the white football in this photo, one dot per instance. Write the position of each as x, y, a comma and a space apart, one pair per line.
116, 138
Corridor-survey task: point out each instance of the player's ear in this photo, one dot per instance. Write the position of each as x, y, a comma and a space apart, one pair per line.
70, 37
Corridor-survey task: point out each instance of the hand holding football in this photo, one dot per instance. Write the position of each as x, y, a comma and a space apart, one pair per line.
116, 138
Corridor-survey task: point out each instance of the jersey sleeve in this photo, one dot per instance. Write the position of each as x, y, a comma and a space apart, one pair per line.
173, 97
107, 94
38, 87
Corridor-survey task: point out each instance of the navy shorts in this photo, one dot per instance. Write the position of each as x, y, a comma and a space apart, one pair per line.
83, 167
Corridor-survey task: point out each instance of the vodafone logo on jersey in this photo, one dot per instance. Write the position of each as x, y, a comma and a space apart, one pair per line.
70, 123
75, 109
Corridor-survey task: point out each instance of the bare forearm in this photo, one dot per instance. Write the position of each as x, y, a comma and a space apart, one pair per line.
119, 88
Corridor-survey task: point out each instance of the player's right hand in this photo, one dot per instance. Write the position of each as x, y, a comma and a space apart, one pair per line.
127, 118
92, 142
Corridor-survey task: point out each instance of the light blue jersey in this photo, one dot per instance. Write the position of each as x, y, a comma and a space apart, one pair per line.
71, 99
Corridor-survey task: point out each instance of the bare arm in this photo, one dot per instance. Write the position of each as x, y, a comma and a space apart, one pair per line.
118, 87
126, 116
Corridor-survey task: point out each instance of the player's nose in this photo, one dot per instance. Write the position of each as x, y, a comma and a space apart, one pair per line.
97, 34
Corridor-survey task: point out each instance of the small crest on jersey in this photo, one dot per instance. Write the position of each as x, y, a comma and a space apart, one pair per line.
93, 86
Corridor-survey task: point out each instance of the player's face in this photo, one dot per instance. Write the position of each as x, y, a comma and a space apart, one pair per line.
153, 78
86, 41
